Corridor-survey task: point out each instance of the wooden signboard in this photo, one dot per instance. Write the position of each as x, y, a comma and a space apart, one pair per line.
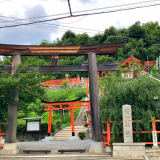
33, 125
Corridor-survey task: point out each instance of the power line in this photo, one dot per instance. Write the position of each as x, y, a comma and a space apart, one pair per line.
87, 10
86, 14
5, 0
74, 27
128, 4
27, 19
60, 30
69, 8
74, 21
48, 24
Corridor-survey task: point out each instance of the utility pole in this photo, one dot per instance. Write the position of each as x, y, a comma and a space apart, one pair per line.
69, 7
157, 63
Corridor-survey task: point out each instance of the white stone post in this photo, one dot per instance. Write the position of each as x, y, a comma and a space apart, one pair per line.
127, 124
128, 148
154, 136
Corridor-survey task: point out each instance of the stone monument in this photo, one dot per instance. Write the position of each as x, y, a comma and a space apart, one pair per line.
154, 136
128, 148
127, 124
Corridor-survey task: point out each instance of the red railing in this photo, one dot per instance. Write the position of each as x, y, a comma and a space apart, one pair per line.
149, 63
106, 139
59, 81
1, 134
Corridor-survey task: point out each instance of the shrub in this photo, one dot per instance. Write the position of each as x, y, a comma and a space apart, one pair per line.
64, 84
58, 124
81, 93
86, 125
84, 116
82, 135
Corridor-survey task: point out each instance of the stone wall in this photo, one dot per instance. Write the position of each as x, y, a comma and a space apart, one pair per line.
76, 85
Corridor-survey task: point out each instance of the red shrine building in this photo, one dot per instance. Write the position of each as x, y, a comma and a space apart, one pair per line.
127, 63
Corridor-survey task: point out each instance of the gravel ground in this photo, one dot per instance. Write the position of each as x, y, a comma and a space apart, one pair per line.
55, 144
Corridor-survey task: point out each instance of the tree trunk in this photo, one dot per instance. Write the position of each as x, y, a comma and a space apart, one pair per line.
94, 99
11, 128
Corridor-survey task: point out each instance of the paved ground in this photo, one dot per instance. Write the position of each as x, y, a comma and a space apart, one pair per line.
54, 155
55, 144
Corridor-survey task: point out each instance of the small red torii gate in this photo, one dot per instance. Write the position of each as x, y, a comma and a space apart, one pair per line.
72, 105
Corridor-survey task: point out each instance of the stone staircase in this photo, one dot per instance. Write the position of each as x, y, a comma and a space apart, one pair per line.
80, 120
66, 133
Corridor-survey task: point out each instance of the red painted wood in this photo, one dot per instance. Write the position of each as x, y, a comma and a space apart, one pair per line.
1, 134
72, 119
108, 132
72, 106
59, 81
50, 120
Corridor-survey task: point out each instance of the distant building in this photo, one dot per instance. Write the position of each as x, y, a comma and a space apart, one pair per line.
127, 62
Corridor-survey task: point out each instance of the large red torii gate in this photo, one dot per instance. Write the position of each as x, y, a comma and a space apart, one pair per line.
72, 106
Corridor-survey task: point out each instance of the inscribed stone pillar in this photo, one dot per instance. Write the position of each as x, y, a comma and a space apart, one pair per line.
154, 136
127, 124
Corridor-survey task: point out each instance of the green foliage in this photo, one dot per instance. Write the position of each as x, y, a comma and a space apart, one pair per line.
139, 93
27, 86
65, 95
81, 135
117, 139
64, 84
84, 116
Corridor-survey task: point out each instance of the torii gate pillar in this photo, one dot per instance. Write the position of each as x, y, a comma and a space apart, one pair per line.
10, 146
54, 61
96, 144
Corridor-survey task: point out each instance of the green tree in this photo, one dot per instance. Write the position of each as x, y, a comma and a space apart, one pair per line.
29, 88
139, 93
136, 31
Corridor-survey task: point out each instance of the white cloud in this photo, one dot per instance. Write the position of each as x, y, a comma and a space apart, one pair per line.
31, 8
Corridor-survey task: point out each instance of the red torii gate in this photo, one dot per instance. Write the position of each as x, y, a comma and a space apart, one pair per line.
71, 107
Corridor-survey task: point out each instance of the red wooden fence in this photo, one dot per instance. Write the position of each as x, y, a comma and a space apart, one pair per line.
149, 63
106, 139
59, 81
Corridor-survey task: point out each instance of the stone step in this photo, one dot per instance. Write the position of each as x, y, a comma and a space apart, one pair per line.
59, 138
76, 129
67, 130
62, 134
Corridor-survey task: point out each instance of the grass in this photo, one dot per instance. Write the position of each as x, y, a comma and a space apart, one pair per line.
53, 96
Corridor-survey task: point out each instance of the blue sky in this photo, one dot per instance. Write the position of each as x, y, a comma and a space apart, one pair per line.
33, 8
